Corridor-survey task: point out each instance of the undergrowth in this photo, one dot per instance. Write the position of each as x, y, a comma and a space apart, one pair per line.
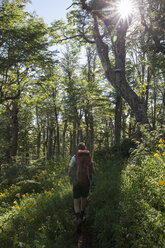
127, 205
38, 212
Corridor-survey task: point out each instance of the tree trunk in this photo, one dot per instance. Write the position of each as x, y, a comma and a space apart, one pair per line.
124, 125
38, 135
118, 114
107, 134
63, 138
91, 148
163, 115
71, 144
58, 141
154, 106
44, 143
14, 145
147, 87
117, 77
50, 142
87, 128
74, 145
57, 124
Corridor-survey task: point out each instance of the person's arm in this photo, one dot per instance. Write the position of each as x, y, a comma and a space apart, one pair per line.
70, 170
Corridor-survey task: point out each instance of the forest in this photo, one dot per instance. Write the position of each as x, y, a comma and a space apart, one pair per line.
97, 77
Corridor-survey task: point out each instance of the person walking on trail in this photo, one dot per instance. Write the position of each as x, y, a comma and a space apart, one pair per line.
81, 170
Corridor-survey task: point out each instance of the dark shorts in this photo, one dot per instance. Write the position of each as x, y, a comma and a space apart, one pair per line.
81, 190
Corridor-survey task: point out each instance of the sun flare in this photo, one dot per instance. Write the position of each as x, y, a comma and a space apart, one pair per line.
125, 8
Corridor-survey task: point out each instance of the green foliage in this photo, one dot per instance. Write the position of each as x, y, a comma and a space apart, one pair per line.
123, 150
39, 217
143, 208
127, 205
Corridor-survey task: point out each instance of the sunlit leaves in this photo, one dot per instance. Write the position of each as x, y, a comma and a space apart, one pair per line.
114, 38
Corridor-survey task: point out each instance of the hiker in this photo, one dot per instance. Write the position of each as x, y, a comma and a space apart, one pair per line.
81, 170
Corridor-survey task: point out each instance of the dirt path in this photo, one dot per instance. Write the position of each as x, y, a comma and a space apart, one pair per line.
84, 239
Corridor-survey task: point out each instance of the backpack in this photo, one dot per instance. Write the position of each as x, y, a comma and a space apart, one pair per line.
83, 166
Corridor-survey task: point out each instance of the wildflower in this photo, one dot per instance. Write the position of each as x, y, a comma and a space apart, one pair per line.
39, 229
160, 145
163, 154
161, 141
161, 183
156, 155
15, 202
17, 207
23, 195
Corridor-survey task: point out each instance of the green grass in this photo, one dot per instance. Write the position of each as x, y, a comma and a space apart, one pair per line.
127, 205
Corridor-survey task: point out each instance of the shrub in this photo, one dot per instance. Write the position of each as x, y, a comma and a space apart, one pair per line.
127, 205
40, 219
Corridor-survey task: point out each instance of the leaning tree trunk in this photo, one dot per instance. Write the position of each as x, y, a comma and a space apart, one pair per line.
117, 76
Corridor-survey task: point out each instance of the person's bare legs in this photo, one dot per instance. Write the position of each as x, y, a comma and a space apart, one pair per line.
77, 205
83, 206
77, 209
83, 203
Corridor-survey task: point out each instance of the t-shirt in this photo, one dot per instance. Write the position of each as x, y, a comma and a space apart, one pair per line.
73, 161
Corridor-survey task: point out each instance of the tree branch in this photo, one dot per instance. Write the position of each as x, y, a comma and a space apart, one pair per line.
73, 5
158, 46
107, 21
85, 38
5, 98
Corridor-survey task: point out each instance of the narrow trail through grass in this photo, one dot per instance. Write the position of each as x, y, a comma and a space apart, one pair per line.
126, 205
